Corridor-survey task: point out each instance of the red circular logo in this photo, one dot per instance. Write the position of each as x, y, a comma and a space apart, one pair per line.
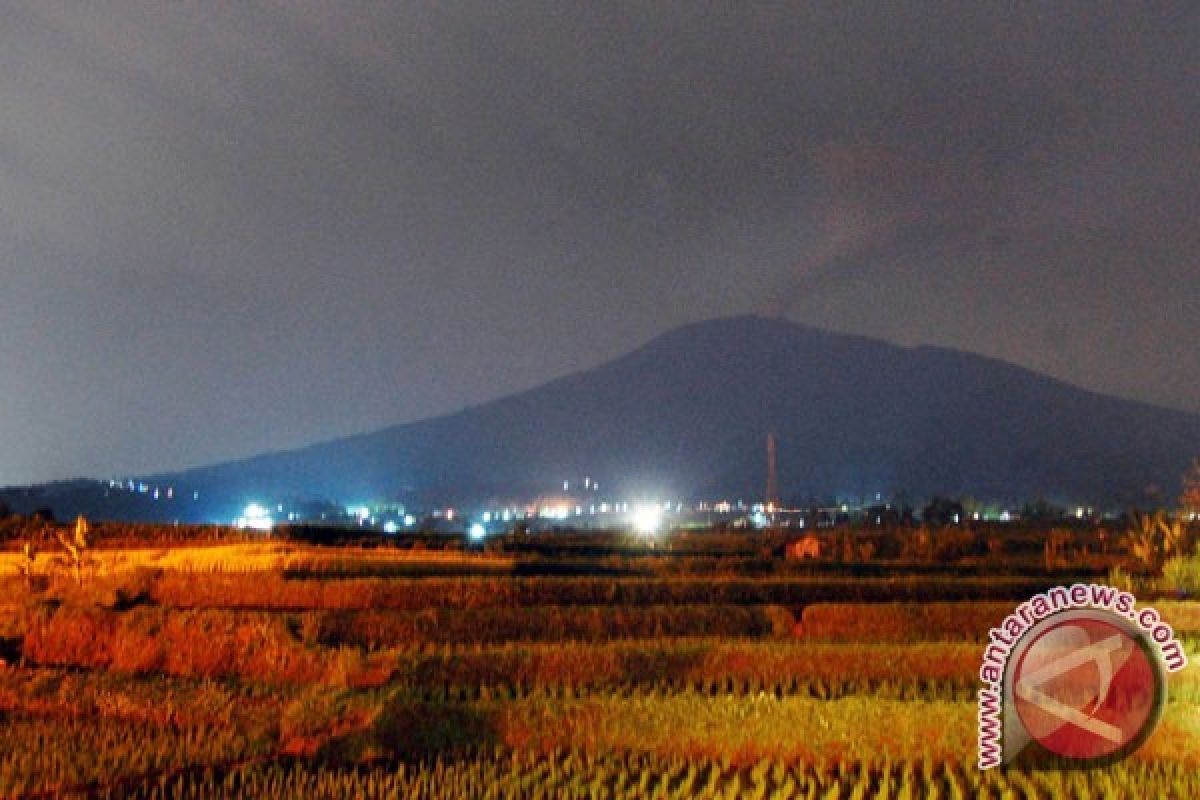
1086, 688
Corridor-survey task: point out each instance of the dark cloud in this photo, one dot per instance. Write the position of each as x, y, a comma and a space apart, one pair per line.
227, 228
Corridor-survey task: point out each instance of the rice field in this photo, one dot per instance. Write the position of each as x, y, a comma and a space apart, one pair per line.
287, 670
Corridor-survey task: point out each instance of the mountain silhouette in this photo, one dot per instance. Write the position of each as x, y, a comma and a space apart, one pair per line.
687, 416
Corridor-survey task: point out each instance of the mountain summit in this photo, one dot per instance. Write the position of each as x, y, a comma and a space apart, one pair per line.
688, 413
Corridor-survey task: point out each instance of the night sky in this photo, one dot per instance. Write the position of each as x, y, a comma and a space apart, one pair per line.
234, 227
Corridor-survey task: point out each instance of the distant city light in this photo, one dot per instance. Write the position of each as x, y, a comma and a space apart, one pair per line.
255, 517
647, 519
409, 520
759, 519
389, 527
477, 531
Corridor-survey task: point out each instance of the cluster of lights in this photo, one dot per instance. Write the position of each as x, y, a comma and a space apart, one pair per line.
255, 517
1003, 516
646, 518
555, 512
155, 492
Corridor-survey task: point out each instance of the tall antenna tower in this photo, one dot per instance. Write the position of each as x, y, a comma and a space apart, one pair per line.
772, 498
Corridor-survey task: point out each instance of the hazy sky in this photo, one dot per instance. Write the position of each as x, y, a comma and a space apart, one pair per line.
232, 227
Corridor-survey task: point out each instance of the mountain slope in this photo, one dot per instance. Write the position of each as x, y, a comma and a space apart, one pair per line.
687, 415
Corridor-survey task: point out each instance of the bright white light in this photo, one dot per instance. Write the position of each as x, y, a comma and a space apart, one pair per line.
646, 519
389, 527
255, 517
487, 516
477, 531
759, 519
409, 520
361, 512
